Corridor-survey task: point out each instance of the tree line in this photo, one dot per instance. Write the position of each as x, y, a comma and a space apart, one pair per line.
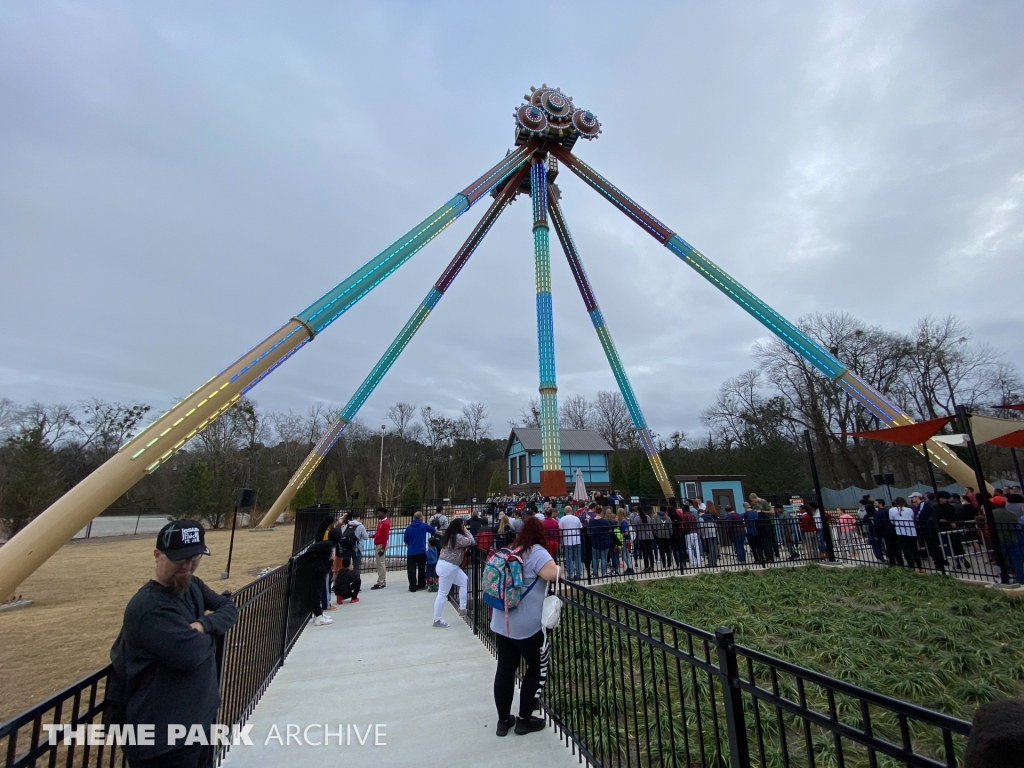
754, 428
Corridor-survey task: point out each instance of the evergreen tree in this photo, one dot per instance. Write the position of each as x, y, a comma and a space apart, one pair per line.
305, 496
412, 497
618, 475
194, 495
31, 485
649, 486
635, 474
496, 487
357, 493
329, 495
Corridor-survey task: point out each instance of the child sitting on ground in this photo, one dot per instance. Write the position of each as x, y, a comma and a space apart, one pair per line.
432, 564
347, 582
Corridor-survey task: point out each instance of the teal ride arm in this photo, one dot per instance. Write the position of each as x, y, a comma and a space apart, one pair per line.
345, 294
789, 333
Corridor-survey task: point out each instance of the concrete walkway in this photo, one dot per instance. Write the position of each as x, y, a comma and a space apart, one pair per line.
381, 662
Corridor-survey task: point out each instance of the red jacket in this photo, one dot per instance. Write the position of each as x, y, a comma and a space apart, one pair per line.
807, 524
381, 533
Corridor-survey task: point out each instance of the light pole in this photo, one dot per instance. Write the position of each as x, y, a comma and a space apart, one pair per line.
380, 472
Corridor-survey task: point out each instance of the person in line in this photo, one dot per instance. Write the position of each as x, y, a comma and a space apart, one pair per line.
600, 531
678, 539
523, 639
902, 516
353, 534
625, 540
550, 523
951, 529
644, 536
688, 526
439, 520
886, 531
164, 658
433, 544
326, 531
663, 536
708, 529
847, 529
784, 525
454, 542
735, 527
322, 567
381, 534
1011, 537
416, 551
808, 532
569, 527
927, 520
347, 583
475, 523
752, 529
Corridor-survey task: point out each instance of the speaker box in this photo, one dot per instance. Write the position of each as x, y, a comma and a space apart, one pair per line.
244, 497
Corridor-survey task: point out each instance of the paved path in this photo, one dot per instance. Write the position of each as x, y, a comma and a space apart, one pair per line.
382, 662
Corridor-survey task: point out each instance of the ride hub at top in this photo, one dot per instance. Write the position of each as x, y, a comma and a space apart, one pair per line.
550, 115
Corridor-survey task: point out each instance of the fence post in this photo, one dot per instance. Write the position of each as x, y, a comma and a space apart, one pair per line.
475, 569
287, 612
732, 698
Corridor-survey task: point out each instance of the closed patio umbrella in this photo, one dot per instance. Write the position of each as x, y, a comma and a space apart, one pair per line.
579, 493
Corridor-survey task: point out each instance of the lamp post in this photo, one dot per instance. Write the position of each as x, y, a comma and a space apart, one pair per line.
380, 472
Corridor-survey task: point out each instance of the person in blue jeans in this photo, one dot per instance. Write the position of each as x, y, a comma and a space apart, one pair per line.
1011, 537
735, 524
600, 531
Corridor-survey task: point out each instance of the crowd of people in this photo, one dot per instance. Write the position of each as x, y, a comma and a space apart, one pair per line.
943, 530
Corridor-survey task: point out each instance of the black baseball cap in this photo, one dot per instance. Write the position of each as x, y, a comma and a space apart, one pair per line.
182, 539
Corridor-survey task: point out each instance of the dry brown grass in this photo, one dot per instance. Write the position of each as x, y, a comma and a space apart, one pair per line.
79, 596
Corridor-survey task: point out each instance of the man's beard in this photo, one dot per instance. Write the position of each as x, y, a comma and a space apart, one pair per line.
180, 582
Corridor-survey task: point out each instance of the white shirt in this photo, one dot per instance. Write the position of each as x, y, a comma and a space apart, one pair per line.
903, 521
570, 524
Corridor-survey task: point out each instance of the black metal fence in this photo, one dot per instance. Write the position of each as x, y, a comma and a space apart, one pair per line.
664, 548
629, 687
272, 612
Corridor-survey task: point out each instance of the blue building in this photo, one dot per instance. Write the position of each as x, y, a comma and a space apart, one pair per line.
582, 449
721, 489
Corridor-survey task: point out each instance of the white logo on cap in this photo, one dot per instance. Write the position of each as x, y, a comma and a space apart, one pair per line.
189, 535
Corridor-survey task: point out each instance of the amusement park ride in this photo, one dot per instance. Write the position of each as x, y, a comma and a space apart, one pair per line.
548, 126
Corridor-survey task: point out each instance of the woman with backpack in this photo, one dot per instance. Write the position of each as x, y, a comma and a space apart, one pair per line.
453, 545
518, 634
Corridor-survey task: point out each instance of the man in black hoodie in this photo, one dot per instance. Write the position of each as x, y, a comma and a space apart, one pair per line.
165, 671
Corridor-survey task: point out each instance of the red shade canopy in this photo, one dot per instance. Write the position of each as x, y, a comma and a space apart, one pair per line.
1012, 440
912, 434
1014, 407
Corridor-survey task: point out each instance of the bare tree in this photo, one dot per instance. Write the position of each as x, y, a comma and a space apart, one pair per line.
474, 424
529, 415
290, 429
576, 412
612, 420
401, 415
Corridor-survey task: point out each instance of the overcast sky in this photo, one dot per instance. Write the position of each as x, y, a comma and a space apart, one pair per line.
178, 180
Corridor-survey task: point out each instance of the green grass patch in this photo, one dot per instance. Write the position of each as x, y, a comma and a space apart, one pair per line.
933, 641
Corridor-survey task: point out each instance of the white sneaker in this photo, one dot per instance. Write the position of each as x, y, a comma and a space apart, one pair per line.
441, 624
319, 621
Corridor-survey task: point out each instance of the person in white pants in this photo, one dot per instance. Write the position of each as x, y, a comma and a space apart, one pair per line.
688, 517
454, 542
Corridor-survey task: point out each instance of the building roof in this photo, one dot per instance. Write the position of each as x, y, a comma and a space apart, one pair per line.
571, 440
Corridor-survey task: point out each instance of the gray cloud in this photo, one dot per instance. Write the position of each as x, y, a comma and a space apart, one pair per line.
177, 182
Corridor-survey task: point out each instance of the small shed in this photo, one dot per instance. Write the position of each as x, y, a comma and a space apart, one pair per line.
721, 489
582, 449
